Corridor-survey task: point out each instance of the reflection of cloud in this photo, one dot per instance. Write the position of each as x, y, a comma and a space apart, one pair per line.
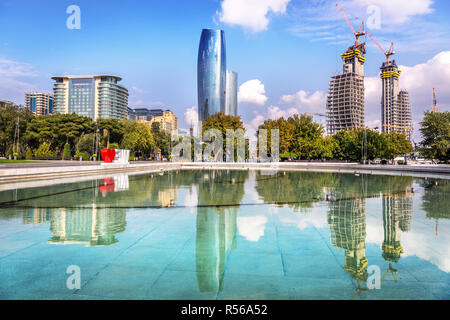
191, 199
252, 228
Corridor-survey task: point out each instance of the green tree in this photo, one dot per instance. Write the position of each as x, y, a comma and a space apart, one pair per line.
162, 138
8, 121
138, 138
86, 143
223, 122
435, 129
29, 154
44, 151
112, 131
66, 152
57, 130
397, 145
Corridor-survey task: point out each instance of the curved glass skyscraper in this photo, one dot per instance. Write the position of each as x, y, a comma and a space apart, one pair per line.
211, 73
231, 99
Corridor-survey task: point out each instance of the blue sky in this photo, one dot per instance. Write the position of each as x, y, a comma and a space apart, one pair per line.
283, 50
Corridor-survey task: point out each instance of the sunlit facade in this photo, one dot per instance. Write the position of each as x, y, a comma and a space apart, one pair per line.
39, 103
96, 97
231, 99
211, 73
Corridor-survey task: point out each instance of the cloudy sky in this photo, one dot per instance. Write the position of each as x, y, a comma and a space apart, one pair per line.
283, 50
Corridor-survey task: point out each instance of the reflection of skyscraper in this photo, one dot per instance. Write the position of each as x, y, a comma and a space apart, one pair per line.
92, 226
216, 224
216, 236
36, 215
347, 220
231, 100
211, 73
397, 214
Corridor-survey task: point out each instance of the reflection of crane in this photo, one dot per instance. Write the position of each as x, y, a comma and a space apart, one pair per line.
357, 34
389, 53
315, 114
434, 101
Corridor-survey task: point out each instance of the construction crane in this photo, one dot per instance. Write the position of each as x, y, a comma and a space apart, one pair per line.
434, 101
388, 53
357, 34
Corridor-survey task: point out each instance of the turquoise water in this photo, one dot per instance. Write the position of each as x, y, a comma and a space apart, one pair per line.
227, 235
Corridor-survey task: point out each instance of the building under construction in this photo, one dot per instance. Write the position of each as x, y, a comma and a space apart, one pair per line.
345, 100
395, 103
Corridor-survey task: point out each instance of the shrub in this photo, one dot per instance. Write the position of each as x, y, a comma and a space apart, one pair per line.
44, 152
84, 155
66, 152
29, 154
131, 157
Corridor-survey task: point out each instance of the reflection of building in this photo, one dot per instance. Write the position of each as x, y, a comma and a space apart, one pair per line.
347, 220
211, 73
97, 97
436, 200
216, 236
39, 103
397, 214
36, 216
167, 197
92, 226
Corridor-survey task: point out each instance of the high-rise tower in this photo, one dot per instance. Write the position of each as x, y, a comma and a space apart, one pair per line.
395, 103
211, 73
231, 100
345, 100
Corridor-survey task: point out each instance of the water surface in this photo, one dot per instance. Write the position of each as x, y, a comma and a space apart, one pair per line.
227, 235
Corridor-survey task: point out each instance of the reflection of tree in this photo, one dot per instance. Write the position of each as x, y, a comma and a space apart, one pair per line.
93, 226
299, 190
216, 226
436, 200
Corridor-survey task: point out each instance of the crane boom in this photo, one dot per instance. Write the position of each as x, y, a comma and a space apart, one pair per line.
357, 34
345, 17
389, 53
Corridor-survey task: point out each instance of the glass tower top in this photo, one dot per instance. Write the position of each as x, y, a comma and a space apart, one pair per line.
211, 73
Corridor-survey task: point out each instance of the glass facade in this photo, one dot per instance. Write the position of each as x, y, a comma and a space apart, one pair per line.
211, 73
96, 97
81, 97
231, 100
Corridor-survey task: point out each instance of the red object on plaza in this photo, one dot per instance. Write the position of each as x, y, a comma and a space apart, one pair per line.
108, 155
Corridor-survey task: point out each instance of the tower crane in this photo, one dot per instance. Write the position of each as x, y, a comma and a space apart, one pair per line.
434, 101
357, 34
388, 53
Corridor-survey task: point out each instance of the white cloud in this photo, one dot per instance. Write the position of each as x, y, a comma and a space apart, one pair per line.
304, 102
274, 112
253, 92
12, 83
191, 117
252, 228
138, 90
250, 14
393, 12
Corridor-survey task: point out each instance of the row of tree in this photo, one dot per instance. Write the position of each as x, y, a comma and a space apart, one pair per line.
69, 135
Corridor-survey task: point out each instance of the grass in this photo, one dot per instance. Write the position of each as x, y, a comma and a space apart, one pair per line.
20, 161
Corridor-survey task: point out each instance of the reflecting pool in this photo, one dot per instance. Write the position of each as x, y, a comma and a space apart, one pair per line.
226, 235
